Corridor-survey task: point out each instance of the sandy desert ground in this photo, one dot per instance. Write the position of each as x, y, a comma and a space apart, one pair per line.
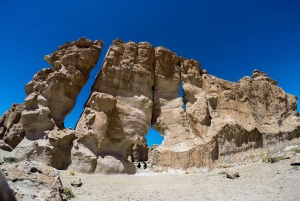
258, 181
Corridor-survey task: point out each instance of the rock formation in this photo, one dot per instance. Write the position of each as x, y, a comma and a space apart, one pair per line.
11, 128
119, 109
34, 181
215, 123
52, 93
51, 96
228, 123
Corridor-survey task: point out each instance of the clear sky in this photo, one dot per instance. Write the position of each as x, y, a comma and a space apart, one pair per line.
230, 38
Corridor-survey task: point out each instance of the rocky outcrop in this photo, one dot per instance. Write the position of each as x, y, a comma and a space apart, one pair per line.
52, 93
119, 109
213, 123
230, 123
34, 181
51, 96
11, 128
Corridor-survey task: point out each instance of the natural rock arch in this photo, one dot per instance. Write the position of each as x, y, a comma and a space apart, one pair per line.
221, 123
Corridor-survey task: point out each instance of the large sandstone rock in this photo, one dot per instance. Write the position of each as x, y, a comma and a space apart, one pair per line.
34, 181
119, 109
52, 92
51, 96
214, 123
232, 122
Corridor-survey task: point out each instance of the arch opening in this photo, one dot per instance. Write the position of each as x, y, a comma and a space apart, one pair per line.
182, 95
154, 137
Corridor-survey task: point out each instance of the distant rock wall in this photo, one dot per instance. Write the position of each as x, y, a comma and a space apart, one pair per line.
215, 123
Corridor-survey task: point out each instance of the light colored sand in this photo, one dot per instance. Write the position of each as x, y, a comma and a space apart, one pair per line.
258, 181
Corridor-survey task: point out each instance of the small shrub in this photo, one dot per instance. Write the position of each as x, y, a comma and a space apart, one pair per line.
297, 150
72, 173
223, 172
69, 193
186, 172
264, 159
274, 159
278, 158
295, 168
9, 159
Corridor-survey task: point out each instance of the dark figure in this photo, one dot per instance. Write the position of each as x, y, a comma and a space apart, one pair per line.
139, 165
145, 165
5, 191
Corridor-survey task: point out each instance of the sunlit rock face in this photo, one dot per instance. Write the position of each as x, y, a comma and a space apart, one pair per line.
119, 110
52, 93
231, 123
215, 122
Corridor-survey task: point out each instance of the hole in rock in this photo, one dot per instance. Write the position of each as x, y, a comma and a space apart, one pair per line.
73, 117
182, 95
153, 137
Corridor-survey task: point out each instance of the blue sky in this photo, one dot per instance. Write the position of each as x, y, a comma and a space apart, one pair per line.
230, 38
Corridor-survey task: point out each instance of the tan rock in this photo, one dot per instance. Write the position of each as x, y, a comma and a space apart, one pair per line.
52, 92
118, 112
111, 165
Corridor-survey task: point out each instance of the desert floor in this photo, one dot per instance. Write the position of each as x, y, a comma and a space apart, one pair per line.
257, 181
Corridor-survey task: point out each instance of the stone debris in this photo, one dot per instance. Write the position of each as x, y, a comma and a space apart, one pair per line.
76, 182
232, 175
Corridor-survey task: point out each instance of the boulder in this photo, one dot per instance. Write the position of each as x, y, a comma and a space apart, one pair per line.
232, 175
5, 146
76, 182
111, 165
34, 180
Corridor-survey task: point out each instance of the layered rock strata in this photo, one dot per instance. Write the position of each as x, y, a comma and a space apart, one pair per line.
228, 123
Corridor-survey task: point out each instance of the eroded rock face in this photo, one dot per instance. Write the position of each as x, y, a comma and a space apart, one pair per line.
119, 110
52, 92
215, 122
34, 181
232, 122
51, 96
11, 128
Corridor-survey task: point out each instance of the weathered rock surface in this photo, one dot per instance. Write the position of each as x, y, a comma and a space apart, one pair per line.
53, 91
11, 129
51, 96
215, 122
34, 181
232, 123
119, 109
